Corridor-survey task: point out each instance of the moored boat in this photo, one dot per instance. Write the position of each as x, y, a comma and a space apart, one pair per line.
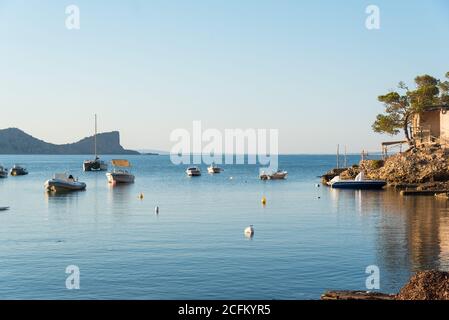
193, 172
359, 183
120, 172
18, 170
278, 175
62, 182
3, 172
212, 169
96, 164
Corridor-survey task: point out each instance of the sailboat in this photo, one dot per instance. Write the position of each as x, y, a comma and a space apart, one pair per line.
96, 164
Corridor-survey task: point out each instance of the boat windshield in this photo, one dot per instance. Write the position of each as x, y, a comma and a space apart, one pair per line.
360, 176
120, 170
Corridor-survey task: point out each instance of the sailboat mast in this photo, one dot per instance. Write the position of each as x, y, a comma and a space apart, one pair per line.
95, 137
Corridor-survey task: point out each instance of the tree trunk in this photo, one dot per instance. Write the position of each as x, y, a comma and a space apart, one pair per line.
410, 141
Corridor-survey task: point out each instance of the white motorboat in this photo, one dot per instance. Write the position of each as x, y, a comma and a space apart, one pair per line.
359, 183
193, 172
3, 172
62, 182
214, 169
96, 164
120, 172
18, 170
278, 175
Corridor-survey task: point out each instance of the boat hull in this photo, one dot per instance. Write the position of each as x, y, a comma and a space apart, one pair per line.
274, 176
194, 174
92, 165
213, 170
120, 177
56, 185
3, 174
278, 176
18, 172
359, 185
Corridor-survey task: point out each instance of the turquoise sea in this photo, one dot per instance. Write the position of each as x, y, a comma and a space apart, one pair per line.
307, 239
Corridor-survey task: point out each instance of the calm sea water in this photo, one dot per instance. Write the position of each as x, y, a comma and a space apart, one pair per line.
307, 239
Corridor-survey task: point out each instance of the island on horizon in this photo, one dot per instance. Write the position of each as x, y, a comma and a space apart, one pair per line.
16, 141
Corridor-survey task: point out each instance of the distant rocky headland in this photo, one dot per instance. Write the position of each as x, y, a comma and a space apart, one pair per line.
15, 141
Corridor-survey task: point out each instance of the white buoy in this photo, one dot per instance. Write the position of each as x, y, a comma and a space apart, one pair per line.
249, 231
156, 210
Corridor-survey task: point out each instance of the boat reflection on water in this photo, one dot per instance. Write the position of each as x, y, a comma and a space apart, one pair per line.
412, 232
121, 197
63, 201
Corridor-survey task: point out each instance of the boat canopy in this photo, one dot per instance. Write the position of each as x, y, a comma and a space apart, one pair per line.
120, 163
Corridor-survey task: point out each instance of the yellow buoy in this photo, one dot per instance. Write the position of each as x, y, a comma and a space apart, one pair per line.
264, 200
141, 196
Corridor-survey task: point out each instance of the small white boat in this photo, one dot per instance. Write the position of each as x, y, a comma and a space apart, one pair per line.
359, 183
18, 170
193, 172
212, 169
120, 172
3, 172
278, 175
62, 182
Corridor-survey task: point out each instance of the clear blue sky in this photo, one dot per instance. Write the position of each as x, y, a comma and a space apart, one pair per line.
308, 68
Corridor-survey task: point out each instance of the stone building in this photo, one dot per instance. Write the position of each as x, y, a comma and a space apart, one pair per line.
432, 125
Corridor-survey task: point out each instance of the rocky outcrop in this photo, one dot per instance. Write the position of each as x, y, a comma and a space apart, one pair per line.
424, 166
424, 285
15, 141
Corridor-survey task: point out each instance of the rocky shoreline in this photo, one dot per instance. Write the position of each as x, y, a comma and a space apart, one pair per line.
423, 168
424, 285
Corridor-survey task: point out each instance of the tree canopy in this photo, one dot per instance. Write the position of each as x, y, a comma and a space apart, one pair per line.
402, 104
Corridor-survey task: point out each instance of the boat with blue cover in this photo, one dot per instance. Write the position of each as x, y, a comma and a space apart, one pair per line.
359, 183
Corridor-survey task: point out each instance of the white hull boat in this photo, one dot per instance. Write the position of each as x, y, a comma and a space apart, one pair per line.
120, 173
359, 183
214, 169
3, 173
193, 172
63, 183
120, 177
